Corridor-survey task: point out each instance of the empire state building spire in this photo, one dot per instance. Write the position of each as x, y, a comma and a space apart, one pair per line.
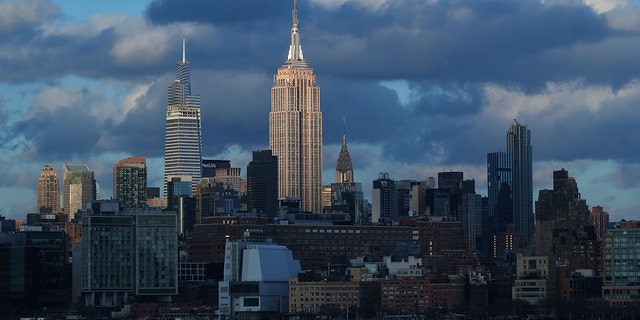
295, 59
295, 127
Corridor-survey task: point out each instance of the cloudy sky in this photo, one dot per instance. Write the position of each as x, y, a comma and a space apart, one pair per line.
424, 86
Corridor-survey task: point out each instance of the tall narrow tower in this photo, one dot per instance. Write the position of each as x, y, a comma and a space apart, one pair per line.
48, 197
519, 146
183, 140
344, 168
295, 127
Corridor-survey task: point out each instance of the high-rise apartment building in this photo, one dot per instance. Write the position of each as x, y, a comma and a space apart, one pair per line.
519, 146
262, 183
383, 199
127, 253
130, 182
600, 219
499, 182
48, 197
621, 272
79, 188
295, 127
183, 141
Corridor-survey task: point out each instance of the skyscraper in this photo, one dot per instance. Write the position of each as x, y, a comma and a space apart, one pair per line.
519, 145
344, 168
499, 181
346, 195
130, 182
383, 200
183, 141
79, 188
48, 197
295, 127
262, 183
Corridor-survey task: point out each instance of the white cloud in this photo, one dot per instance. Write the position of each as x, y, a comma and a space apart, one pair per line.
602, 6
20, 14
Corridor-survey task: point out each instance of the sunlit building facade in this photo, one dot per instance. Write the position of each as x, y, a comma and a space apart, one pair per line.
48, 191
79, 188
183, 140
295, 127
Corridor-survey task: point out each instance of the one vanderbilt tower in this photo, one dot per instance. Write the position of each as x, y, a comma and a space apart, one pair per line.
183, 140
295, 127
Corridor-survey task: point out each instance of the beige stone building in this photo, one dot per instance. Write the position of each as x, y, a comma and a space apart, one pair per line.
295, 127
48, 197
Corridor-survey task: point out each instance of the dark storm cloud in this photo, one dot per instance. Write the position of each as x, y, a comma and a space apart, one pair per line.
218, 12
511, 42
142, 131
62, 135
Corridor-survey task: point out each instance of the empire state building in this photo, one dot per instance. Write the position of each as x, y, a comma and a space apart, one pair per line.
295, 127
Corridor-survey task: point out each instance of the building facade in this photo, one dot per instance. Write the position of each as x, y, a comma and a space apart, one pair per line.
127, 254
499, 189
130, 182
535, 279
295, 127
48, 191
600, 219
262, 183
79, 188
519, 146
384, 207
621, 272
256, 280
183, 139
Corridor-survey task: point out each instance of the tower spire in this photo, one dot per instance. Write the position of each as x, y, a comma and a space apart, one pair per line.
295, 57
184, 54
344, 131
294, 13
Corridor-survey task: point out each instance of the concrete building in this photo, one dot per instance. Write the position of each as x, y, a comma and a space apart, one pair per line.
48, 191
256, 280
295, 127
127, 254
535, 279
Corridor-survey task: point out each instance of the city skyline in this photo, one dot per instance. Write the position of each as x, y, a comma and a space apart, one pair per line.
86, 83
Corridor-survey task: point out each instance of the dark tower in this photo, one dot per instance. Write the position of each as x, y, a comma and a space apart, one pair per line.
262, 183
